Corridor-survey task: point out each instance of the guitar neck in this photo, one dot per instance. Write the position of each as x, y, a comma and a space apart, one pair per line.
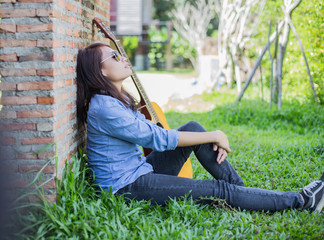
139, 86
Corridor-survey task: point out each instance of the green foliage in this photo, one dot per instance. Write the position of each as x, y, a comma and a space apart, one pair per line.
158, 37
130, 44
162, 9
309, 22
269, 150
181, 49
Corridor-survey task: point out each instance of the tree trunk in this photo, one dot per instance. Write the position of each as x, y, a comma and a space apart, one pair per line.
271, 66
289, 8
273, 36
306, 62
281, 55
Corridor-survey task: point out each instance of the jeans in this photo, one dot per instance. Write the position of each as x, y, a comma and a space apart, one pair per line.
163, 184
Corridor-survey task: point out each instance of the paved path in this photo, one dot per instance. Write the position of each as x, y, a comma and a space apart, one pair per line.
164, 87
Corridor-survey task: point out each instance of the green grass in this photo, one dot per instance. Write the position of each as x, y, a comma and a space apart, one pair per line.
277, 151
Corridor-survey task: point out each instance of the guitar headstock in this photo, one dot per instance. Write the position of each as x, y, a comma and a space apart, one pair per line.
106, 30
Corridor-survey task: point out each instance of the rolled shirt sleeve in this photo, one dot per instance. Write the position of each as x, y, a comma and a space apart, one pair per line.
120, 122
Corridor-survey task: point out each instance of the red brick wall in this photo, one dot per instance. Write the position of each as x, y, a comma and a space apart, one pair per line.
39, 42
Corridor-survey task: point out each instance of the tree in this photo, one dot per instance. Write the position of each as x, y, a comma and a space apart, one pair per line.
288, 7
237, 21
191, 21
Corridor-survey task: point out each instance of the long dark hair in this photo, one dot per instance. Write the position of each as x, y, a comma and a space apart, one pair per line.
90, 81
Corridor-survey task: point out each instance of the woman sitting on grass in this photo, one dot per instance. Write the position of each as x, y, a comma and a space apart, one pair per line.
116, 130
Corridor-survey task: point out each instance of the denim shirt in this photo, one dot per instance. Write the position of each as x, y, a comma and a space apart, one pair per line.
114, 136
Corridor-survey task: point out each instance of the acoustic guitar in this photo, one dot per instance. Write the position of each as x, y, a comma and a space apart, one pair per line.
151, 110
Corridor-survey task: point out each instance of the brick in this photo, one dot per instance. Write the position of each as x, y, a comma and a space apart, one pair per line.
34, 86
45, 127
68, 106
15, 100
37, 57
62, 58
62, 164
72, 20
70, 57
17, 43
64, 71
17, 72
68, 82
44, 12
65, 17
51, 184
46, 27
17, 12
59, 84
7, 86
61, 3
68, 6
60, 30
63, 97
46, 100
49, 43
18, 126
10, 28
36, 1
28, 168
35, 114
7, 140
24, 183
71, 70
69, 32
59, 111
51, 197
63, 122
39, 140
8, 114
59, 139
7, 1
26, 156
74, 9
76, 33
57, 125
46, 155
47, 72
9, 57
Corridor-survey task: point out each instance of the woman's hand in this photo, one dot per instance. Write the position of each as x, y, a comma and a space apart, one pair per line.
222, 145
222, 154
222, 141
217, 138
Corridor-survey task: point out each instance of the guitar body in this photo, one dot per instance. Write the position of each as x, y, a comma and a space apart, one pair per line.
151, 110
186, 170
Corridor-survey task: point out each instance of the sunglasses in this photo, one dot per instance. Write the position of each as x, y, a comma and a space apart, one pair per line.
115, 55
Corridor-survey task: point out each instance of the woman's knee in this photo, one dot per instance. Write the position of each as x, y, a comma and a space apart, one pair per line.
192, 126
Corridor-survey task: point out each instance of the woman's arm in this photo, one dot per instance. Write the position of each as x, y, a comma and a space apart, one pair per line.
193, 138
218, 138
